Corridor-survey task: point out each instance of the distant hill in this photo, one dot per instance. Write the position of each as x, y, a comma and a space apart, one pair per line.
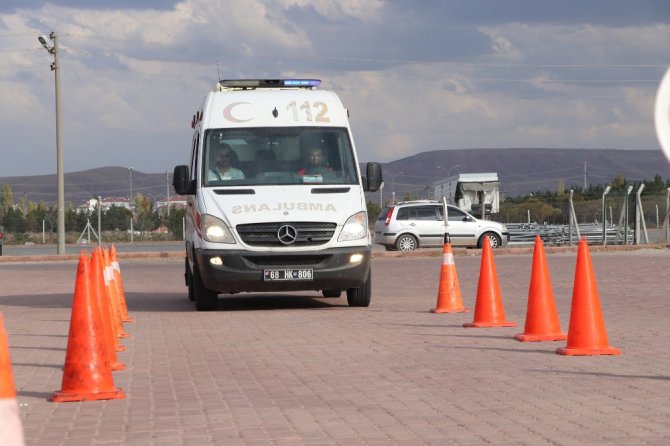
80, 186
521, 171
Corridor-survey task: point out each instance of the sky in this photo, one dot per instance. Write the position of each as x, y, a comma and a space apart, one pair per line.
416, 76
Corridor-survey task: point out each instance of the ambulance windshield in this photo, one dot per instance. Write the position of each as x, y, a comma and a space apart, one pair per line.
278, 155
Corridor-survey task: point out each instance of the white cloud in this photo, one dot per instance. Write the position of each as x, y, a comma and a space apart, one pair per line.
133, 77
343, 9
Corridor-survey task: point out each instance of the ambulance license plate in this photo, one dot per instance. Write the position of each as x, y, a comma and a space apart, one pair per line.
274, 275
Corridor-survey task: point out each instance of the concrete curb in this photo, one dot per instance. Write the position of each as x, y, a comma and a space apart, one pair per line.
516, 251
75, 257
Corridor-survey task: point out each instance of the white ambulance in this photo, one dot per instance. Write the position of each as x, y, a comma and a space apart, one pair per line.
275, 196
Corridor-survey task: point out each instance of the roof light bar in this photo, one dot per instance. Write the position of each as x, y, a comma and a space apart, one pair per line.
229, 84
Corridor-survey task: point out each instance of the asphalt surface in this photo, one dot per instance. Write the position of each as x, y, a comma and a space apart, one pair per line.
292, 369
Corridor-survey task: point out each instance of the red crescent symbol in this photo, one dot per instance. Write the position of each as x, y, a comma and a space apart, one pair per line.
228, 112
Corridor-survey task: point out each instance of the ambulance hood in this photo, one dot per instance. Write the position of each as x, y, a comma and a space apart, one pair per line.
284, 203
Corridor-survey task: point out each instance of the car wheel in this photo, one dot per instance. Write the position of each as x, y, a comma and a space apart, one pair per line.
189, 281
205, 299
406, 243
360, 297
492, 238
331, 293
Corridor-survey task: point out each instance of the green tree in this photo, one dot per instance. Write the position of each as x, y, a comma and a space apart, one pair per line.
116, 217
36, 215
76, 221
145, 217
174, 222
6, 198
14, 221
618, 183
373, 211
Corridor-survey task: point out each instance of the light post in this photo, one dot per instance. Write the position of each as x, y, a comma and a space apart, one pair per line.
130, 202
625, 206
607, 190
381, 196
450, 169
132, 213
393, 186
167, 191
60, 202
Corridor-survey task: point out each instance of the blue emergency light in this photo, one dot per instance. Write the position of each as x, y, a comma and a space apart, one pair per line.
302, 82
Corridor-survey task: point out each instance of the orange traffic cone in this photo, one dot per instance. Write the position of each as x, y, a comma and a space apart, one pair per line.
87, 374
98, 285
11, 430
108, 274
542, 322
586, 335
489, 311
119, 285
97, 264
449, 298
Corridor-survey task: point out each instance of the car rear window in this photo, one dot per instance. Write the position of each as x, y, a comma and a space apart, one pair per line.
383, 213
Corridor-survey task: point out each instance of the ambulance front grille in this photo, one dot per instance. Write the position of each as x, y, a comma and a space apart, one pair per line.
284, 260
267, 234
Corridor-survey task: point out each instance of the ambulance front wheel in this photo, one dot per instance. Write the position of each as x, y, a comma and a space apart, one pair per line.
360, 297
205, 299
189, 281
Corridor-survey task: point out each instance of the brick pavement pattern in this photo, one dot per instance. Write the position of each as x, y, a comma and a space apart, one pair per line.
277, 369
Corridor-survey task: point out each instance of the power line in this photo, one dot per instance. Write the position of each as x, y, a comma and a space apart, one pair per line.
21, 66
17, 34
19, 50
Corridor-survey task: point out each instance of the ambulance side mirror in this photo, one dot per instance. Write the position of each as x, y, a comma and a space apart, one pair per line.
373, 179
181, 183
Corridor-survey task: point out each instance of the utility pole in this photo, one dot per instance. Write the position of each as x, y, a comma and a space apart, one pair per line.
584, 176
60, 206
167, 191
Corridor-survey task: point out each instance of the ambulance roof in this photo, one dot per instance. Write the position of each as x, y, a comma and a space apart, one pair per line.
272, 103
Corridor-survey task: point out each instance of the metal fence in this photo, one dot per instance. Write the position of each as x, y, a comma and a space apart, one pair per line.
624, 217
90, 229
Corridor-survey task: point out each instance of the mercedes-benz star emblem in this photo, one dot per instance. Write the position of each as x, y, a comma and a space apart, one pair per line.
287, 234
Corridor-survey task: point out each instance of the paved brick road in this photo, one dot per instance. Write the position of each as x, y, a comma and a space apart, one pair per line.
286, 370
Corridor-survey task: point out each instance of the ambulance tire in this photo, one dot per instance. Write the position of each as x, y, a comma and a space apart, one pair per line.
360, 297
189, 282
205, 299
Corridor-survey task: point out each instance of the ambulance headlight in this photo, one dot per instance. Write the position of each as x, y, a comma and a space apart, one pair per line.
215, 230
355, 228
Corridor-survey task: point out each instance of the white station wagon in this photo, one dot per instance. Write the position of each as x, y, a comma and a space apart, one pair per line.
417, 224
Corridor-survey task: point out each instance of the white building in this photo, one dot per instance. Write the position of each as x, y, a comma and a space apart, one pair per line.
91, 204
174, 202
469, 191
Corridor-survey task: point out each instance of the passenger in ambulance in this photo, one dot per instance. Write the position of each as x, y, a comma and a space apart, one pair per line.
316, 164
223, 168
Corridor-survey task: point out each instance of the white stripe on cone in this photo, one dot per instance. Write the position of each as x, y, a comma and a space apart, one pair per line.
11, 430
448, 258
